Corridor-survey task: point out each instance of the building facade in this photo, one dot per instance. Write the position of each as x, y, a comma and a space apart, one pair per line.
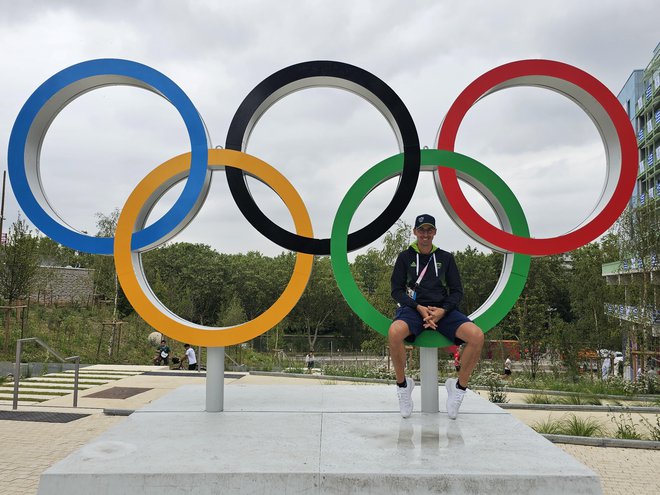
639, 272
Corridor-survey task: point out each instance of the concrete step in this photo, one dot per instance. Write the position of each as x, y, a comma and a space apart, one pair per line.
65, 379
44, 391
28, 397
21, 389
23, 403
88, 373
38, 386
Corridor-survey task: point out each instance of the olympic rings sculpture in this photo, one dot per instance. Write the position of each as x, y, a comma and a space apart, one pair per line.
132, 237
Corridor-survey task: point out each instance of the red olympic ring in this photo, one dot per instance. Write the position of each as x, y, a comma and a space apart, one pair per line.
532, 72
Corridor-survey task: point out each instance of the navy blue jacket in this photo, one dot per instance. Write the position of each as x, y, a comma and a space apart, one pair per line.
441, 288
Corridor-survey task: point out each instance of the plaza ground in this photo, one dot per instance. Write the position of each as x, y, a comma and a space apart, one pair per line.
31, 447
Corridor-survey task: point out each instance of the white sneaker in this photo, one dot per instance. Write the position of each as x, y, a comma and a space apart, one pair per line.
454, 397
405, 397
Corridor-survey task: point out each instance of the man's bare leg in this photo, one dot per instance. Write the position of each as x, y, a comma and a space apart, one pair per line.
473, 337
396, 335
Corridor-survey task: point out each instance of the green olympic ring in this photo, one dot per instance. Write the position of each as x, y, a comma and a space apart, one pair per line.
497, 193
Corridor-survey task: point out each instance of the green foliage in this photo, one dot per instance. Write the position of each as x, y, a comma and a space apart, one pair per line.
479, 274
374, 345
18, 262
548, 427
588, 292
253, 360
579, 400
580, 427
543, 299
190, 279
625, 427
364, 372
638, 236
538, 399
654, 429
570, 425
232, 314
495, 384
322, 308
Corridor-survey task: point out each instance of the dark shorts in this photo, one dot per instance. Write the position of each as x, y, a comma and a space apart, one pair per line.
507, 372
192, 367
447, 326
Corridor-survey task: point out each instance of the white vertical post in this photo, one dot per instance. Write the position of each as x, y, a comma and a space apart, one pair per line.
215, 379
428, 364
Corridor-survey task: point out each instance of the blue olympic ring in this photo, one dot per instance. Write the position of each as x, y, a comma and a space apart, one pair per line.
50, 98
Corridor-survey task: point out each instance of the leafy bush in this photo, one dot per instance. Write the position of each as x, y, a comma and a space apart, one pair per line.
493, 381
257, 361
538, 399
625, 427
298, 371
579, 400
654, 429
365, 372
580, 427
548, 427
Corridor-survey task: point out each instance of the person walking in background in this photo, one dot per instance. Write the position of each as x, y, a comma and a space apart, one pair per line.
190, 357
507, 367
309, 361
427, 287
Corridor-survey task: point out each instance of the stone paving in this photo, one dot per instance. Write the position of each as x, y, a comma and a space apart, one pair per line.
29, 447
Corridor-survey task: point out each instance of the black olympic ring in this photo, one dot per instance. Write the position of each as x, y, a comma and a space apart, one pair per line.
334, 74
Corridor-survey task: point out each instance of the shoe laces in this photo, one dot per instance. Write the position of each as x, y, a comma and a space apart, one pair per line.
404, 395
458, 396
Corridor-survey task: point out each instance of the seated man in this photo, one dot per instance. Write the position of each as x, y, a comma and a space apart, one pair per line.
427, 287
162, 354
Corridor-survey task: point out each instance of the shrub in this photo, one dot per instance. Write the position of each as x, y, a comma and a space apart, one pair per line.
580, 427
364, 372
549, 427
538, 399
298, 371
579, 400
654, 429
625, 427
495, 384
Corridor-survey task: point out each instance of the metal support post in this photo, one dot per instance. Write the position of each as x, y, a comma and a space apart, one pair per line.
428, 364
215, 379
76, 375
17, 374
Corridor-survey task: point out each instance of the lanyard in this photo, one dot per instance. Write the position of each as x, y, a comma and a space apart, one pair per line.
421, 275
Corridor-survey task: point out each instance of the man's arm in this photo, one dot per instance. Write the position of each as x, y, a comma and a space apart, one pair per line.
398, 283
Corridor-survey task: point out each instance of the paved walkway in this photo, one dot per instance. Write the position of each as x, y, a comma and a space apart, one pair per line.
31, 447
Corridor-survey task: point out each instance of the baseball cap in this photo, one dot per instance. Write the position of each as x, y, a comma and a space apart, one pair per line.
424, 220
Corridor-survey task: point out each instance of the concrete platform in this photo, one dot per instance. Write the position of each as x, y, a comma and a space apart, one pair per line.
330, 439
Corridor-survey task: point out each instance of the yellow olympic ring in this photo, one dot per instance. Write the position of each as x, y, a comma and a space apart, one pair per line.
128, 263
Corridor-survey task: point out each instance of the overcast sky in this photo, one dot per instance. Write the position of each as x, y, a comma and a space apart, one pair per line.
322, 140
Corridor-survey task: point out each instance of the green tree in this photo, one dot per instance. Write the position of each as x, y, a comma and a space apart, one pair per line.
588, 295
479, 273
106, 285
52, 253
232, 314
18, 267
543, 299
638, 231
372, 272
320, 301
189, 279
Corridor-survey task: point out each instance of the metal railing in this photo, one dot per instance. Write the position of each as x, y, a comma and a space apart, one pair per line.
17, 368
